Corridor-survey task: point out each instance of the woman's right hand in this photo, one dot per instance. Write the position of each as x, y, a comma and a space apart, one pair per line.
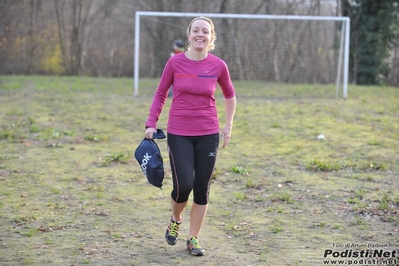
149, 132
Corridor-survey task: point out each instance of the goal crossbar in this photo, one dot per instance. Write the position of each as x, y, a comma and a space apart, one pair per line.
344, 41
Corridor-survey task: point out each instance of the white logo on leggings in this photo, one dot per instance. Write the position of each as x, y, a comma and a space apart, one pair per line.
213, 154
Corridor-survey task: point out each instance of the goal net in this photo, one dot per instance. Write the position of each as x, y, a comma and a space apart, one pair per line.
281, 49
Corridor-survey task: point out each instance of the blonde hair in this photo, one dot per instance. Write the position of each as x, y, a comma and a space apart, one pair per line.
211, 45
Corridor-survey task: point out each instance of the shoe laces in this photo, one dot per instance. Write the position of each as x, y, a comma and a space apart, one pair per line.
174, 228
194, 242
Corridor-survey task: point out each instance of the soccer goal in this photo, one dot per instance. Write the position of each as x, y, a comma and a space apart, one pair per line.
270, 48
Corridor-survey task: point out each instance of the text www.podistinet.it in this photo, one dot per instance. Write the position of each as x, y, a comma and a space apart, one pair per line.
361, 262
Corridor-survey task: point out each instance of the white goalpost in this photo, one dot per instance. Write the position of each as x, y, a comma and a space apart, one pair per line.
271, 48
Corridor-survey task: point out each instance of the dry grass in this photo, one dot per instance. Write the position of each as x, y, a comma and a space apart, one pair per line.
71, 192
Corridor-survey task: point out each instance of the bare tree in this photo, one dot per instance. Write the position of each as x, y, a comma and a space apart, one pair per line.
86, 37
5, 32
81, 16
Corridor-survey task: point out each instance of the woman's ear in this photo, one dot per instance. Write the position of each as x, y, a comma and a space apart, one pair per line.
212, 41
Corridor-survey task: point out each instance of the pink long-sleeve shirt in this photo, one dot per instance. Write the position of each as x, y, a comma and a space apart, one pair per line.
193, 109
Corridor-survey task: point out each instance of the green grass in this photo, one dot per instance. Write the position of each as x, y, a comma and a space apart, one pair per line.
72, 193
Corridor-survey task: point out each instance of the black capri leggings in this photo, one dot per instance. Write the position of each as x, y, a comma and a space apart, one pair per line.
192, 160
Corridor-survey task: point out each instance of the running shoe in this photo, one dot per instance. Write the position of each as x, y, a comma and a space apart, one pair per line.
172, 232
194, 247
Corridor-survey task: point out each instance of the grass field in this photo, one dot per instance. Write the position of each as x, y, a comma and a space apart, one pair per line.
71, 192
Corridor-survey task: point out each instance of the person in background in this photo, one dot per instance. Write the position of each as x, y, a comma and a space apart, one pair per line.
193, 125
178, 47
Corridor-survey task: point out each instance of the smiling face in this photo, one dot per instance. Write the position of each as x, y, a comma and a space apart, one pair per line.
201, 34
